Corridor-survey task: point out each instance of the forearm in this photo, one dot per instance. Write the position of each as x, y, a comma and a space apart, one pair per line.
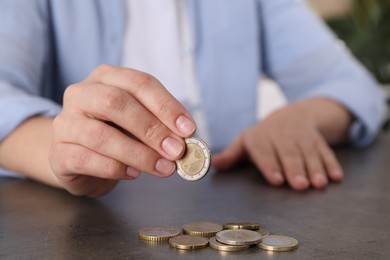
331, 118
26, 150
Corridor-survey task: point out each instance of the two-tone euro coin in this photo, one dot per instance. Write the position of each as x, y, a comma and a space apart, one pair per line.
196, 160
278, 243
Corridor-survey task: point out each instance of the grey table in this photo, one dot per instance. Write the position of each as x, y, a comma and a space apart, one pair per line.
350, 220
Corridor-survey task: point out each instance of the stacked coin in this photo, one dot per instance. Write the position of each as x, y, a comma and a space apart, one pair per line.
236, 239
235, 236
242, 225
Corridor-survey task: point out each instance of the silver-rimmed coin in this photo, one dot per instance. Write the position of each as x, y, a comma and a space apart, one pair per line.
238, 237
196, 160
159, 233
223, 247
278, 243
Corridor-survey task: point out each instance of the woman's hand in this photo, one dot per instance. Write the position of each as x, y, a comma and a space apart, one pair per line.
291, 145
115, 124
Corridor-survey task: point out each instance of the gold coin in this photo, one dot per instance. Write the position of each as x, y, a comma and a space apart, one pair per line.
158, 233
195, 162
204, 229
238, 237
278, 243
242, 225
263, 232
223, 247
188, 242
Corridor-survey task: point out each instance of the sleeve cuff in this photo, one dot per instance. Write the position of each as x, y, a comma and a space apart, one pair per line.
16, 109
5, 173
368, 105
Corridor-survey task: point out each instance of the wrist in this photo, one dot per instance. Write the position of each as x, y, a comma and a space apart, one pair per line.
331, 118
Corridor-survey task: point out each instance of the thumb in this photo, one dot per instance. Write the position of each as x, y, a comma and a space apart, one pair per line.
231, 155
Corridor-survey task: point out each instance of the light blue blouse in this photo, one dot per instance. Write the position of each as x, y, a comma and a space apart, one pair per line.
47, 45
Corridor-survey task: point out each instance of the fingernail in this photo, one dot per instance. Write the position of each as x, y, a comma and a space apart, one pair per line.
131, 172
165, 167
320, 179
301, 181
172, 146
338, 174
185, 125
278, 177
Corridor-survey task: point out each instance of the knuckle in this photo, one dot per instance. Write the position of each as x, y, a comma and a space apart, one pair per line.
166, 106
71, 92
78, 160
101, 70
152, 133
113, 101
308, 147
139, 158
96, 137
289, 153
114, 169
144, 81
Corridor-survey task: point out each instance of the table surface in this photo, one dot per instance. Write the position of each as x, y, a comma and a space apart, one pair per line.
350, 220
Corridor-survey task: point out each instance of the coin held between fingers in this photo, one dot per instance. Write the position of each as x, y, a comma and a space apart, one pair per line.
172, 146
196, 160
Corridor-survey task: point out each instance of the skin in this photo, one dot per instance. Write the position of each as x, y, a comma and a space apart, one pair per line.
120, 122
87, 155
292, 144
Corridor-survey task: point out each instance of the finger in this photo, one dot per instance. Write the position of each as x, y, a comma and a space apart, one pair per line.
116, 105
314, 166
151, 93
264, 156
76, 159
112, 143
230, 156
332, 166
292, 163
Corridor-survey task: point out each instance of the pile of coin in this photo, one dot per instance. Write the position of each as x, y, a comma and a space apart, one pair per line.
233, 236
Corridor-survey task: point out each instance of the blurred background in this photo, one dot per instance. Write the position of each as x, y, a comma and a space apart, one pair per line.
364, 26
